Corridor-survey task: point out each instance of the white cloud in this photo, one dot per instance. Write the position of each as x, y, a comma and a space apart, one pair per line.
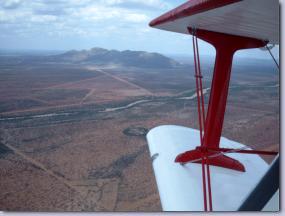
158, 4
10, 17
10, 4
136, 18
43, 19
103, 13
80, 20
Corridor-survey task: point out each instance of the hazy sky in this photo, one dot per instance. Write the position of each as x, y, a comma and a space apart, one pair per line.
83, 24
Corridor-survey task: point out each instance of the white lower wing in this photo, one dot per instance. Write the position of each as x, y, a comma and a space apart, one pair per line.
180, 187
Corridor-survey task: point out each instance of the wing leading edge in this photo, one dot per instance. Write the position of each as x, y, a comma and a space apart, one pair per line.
248, 18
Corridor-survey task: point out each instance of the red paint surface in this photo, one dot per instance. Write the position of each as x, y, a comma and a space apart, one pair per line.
190, 8
226, 45
195, 156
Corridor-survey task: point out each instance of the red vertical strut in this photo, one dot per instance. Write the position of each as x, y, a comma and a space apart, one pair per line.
226, 45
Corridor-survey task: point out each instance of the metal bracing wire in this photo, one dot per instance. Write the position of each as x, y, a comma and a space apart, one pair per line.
269, 50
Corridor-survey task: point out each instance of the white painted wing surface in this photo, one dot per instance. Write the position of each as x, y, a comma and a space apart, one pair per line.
180, 187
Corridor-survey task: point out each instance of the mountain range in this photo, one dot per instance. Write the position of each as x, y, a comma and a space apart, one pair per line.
127, 58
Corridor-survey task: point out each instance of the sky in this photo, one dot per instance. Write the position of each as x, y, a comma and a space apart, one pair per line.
83, 24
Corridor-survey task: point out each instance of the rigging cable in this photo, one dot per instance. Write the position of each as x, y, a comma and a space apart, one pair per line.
203, 124
206, 180
268, 49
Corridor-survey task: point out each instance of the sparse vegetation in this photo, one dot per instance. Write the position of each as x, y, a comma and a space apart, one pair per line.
62, 150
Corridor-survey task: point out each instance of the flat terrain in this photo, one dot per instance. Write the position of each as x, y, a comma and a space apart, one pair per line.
72, 137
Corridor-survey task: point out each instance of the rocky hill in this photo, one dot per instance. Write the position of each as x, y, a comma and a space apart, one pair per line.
122, 58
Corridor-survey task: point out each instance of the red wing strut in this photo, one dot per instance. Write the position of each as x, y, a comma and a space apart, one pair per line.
229, 25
